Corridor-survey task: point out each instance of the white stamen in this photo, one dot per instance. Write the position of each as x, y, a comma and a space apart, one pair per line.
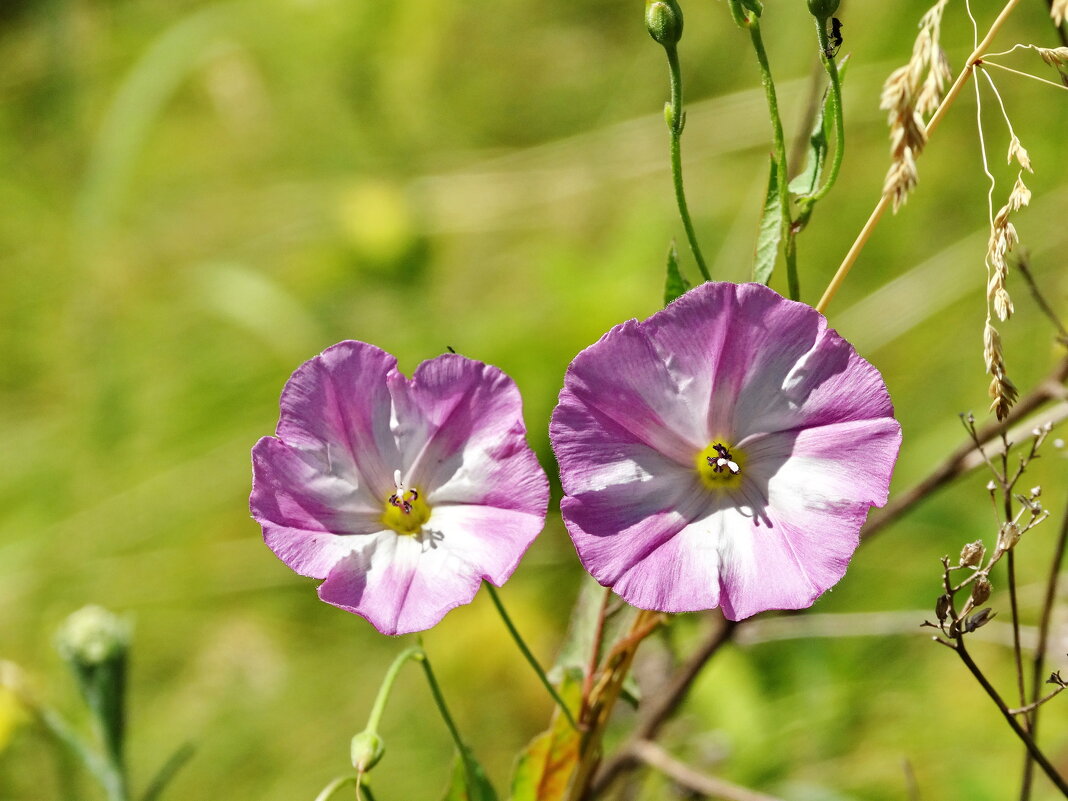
734, 468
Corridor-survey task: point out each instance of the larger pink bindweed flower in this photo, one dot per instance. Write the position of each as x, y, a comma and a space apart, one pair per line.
723, 452
404, 494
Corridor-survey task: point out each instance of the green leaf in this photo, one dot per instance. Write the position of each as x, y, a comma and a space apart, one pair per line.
676, 283
469, 781
168, 771
544, 768
769, 234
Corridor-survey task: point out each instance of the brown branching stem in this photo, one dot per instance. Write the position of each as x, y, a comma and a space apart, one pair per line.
1033, 749
954, 465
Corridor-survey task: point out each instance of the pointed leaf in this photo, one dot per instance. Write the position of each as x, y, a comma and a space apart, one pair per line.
544, 768
676, 283
769, 235
469, 781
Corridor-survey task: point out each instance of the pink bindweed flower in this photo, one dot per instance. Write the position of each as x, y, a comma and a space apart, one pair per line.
404, 494
723, 452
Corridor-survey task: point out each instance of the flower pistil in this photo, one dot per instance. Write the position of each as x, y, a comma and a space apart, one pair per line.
406, 511
720, 465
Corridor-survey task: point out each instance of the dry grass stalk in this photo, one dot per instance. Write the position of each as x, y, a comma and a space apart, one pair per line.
909, 94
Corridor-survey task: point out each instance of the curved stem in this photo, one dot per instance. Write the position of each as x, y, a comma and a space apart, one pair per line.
886, 199
779, 144
327, 792
387, 686
530, 656
675, 124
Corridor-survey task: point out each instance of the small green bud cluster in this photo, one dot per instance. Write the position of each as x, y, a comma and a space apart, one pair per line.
822, 9
663, 20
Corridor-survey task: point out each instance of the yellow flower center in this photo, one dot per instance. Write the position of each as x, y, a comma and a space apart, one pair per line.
406, 512
720, 466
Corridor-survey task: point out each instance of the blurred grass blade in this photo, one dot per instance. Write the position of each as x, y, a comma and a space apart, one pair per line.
770, 232
168, 771
544, 768
469, 781
676, 283
146, 89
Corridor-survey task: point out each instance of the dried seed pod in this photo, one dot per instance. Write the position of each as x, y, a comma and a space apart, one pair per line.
971, 555
980, 590
979, 619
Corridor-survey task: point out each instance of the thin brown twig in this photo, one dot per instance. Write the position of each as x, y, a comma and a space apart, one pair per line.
692, 779
1034, 705
1050, 388
1036, 754
1038, 665
658, 708
1024, 267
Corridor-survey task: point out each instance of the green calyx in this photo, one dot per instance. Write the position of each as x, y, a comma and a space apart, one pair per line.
366, 750
822, 9
663, 20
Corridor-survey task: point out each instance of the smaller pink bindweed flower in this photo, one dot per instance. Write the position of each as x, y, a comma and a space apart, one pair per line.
403, 494
723, 452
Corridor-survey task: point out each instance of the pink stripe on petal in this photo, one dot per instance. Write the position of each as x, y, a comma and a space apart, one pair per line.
337, 405
623, 379
460, 416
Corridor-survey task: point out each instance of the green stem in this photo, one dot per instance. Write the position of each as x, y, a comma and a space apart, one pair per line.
675, 124
327, 792
439, 699
529, 656
387, 686
779, 143
836, 108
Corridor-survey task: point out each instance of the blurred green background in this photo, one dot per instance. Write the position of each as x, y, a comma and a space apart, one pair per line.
196, 197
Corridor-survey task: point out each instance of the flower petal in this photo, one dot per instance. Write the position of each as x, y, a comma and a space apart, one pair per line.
338, 407
307, 513
459, 425
622, 381
403, 584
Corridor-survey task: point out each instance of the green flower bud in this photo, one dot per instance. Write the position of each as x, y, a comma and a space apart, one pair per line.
95, 643
366, 749
663, 20
821, 9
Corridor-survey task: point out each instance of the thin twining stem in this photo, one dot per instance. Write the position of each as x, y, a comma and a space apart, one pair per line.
886, 200
1054, 84
531, 659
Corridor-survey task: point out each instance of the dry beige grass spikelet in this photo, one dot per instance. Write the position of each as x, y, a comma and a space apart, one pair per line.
1002, 390
1059, 11
909, 94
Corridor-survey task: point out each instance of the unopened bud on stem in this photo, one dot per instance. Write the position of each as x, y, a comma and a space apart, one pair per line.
821, 9
366, 750
663, 20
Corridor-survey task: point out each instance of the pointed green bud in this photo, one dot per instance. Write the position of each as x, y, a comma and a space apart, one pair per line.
366, 749
821, 9
663, 20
